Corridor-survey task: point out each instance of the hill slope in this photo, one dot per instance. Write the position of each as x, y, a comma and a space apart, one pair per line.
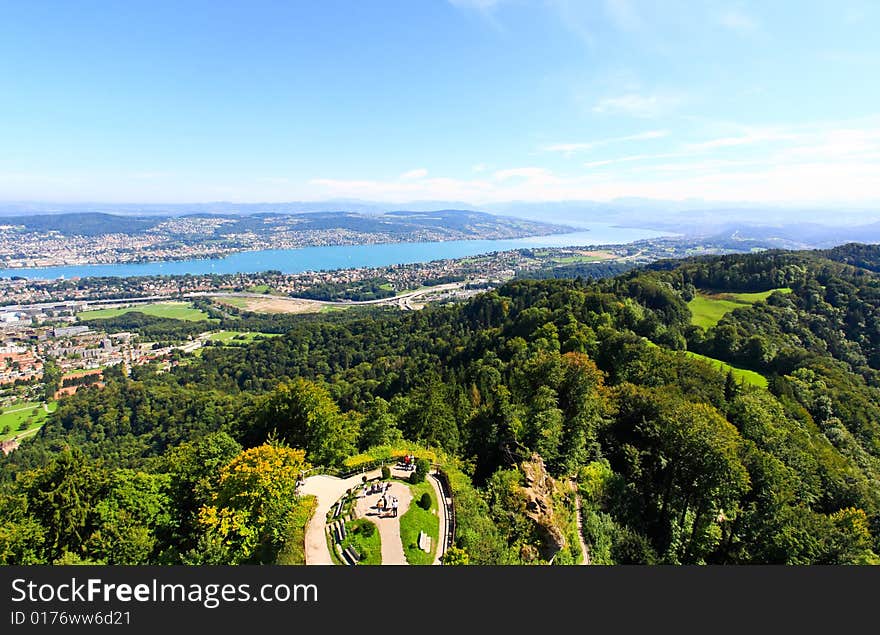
676, 461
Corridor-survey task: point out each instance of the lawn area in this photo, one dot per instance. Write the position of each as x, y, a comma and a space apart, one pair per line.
749, 377
567, 260
708, 308
760, 296
238, 303
173, 310
417, 519
238, 337
260, 288
369, 546
32, 413
294, 549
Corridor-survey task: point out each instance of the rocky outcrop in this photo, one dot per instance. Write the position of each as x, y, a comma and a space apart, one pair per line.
538, 489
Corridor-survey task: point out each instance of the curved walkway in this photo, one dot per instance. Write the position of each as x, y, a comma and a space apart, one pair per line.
441, 513
329, 489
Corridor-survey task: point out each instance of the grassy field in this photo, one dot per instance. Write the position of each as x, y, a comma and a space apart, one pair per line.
173, 310
238, 337
707, 309
260, 288
33, 414
417, 519
238, 303
749, 377
597, 257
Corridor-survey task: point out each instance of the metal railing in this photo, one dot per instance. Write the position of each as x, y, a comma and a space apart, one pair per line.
449, 506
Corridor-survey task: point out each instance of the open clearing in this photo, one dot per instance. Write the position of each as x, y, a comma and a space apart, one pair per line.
238, 337
34, 414
707, 308
173, 310
578, 256
749, 377
271, 304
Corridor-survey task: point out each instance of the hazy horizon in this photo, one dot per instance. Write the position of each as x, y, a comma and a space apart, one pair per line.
486, 101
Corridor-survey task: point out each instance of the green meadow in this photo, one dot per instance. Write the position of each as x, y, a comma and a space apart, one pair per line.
707, 309
238, 337
32, 414
173, 310
748, 377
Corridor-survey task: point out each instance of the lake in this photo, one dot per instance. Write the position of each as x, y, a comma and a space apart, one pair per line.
341, 257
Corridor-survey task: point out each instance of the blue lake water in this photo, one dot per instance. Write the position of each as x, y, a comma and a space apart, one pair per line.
329, 258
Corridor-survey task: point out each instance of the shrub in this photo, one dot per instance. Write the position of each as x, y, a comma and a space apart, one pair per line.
367, 529
386, 472
455, 556
425, 501
421, 471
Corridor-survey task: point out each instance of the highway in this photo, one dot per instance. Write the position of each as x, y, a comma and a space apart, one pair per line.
404, 300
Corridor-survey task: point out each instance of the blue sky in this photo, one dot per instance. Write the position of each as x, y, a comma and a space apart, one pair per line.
470, 100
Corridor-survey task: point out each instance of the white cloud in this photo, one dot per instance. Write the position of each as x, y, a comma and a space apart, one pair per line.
750, 137
524, 173
570, 148
418, 173
274, 180
631, 158
636, 105
738, 21
823, 162
479, 167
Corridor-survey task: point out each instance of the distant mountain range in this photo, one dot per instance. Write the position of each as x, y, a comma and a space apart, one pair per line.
469, 223
98, 237
784, 226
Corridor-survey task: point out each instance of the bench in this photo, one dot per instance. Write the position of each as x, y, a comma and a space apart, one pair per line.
343, 556
352, 553
424, 542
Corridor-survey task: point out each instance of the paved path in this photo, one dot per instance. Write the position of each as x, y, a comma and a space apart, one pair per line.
389, 526
328, 490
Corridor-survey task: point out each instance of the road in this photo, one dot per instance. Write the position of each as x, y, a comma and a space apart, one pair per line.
404, 300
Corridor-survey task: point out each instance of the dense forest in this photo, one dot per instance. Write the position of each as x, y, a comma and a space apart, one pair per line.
673, 460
